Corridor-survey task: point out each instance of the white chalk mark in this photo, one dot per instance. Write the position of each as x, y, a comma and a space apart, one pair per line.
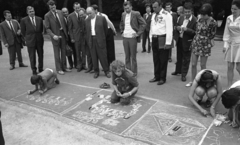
205, 134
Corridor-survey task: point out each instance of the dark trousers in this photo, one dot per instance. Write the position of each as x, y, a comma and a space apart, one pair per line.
89, 57
183, 58
13, 50
123, 101
60, 53
72, 61
98, 53
80, 53
32, 56
1, 51
2, 142
110, 46
145, 38
130, 49
160, 60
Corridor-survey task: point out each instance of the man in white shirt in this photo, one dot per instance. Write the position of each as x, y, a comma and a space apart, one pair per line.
32, 30
161, 35
132, 26
110, 36
11, 38
96, 33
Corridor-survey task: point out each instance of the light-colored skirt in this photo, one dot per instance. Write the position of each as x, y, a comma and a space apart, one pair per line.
232, 54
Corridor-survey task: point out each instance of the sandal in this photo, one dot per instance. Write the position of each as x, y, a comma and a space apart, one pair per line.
104, 86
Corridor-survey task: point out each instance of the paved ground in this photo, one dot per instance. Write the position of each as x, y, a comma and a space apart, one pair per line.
23, 124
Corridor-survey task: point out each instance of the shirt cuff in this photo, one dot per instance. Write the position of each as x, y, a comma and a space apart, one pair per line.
226, 44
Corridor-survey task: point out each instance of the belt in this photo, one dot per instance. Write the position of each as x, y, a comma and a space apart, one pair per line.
93, 35
155, 36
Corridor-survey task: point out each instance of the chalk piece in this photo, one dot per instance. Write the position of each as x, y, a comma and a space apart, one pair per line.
88, 99
217, 122
101, 96
88, 95
108, 97
127, 116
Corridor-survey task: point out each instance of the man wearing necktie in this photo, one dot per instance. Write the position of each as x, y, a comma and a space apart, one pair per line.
161, 35
56, 28
11, 37
32, 30
145, 37
76, 29
186, 27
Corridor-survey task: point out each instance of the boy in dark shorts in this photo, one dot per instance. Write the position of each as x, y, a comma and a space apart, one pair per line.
46, 80
124, 83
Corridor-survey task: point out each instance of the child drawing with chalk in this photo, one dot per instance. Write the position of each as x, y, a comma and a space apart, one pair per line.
231, 101
44, 81
207, 82
124, 83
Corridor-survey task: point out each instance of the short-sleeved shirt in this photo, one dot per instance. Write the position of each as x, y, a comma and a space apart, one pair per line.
126, 82
199, 75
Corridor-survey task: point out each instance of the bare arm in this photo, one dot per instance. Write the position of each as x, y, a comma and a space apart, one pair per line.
33, 91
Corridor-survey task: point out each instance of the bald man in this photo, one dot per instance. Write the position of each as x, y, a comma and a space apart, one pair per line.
96, 35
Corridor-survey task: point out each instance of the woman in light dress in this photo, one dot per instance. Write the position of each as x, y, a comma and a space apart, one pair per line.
231, 40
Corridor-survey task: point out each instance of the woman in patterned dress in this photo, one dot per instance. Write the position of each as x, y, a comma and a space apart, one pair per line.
231, 40
203, 40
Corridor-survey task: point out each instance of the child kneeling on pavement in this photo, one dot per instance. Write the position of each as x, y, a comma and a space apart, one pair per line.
45, 80
124, 83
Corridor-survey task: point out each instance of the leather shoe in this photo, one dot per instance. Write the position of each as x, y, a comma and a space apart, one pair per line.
161, 82
79, 69
184, 79
153, 80
11, 67
92, 71
22, 65
88, 70
34, 72
96, 75
108, 75
175, 73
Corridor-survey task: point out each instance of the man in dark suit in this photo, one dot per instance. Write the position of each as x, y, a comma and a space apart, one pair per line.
11, 37
132, 26
57, 29
32, 30
76, 27
72, 62
168, 8
96, 33
186, 30
145, 37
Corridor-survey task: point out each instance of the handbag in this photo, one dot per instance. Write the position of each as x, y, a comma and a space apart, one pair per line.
69, 51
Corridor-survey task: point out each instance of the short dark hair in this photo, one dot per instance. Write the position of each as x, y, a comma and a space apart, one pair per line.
236, 2
127, 3
188, 6
168, 4
206, 9
51, 2
147, 5
207, 76
230, 97
159, 2
5, 12
95, 7
29, 8
76, 3
35, 79
82, 9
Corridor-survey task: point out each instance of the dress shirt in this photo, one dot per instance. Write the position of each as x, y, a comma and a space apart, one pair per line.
33, 20
128, 31
9, 24
162, 25
93, 21
147, 15
57, 17
185, 23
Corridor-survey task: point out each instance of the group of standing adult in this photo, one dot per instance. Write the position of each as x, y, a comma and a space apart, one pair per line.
88, 34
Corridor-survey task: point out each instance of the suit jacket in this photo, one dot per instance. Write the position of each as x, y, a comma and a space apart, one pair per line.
51, 25
76, 27
189, 34
31, 34
101, 29
6, 32
148, 21
137, 23
174, 18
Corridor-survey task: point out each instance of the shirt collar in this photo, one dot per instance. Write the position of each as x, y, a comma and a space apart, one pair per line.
32, 17
190, 18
